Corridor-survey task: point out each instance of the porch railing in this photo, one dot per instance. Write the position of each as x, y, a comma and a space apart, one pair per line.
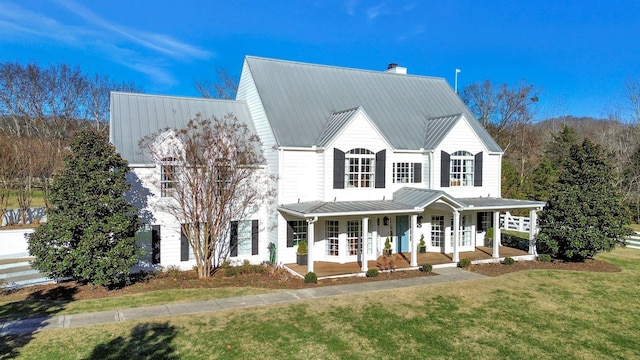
516, 223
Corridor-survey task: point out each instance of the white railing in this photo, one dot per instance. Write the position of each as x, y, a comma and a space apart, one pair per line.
633, 241
516, 223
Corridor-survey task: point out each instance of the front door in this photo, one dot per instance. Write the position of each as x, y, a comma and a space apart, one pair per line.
402, 230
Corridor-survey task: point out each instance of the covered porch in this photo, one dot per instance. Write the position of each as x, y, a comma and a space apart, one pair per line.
402, 261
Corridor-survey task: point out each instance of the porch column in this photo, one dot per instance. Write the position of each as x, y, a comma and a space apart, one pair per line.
363, 244
456, 232
496, 234
414, 242
310, 243
533, 229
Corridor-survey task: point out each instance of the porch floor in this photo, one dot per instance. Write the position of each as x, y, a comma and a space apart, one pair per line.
401, 261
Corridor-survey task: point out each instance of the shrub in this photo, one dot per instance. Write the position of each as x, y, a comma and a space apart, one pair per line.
225, 264
302, 248
508, 261
426, 268
544, 258
231, 271
311, 278
373, 272
465, 263
174, 272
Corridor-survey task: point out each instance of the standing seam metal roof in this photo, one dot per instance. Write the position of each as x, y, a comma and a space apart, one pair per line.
299, 98
134, 116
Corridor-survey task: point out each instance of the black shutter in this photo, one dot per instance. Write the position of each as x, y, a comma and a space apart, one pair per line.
480, 227
445, 165
477, 170
233, 241
289, 234
184, 243
338, 169
381, 158
155, 244
254, 237
417, 172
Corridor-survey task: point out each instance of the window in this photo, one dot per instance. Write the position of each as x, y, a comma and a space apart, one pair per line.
485, 221
331, 230
465, 234
296, 232
461, 168
353, 237
167, 177
148, 241
360, 168
186, 250
437, 229
404, 172
243, 238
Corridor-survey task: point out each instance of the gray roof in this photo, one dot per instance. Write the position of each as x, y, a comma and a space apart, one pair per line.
492, 203
405, 200
300, 98
134, 116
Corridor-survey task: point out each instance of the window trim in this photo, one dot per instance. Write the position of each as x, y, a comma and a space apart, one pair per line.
359, 159
168, 178
462, 169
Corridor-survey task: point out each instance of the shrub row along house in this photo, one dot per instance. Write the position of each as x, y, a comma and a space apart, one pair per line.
356, 157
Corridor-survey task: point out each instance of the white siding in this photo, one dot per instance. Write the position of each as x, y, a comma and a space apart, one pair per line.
359, 133
299, 177
462, 137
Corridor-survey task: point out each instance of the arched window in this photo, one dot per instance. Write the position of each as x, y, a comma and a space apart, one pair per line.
360, 168
461, 169
167, 176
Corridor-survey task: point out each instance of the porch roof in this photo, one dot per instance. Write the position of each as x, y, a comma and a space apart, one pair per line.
491, 203
405, 200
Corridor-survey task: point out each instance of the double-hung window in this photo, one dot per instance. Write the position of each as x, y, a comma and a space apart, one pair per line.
360, 168
167, 177
297, 231
332, 232
406, 172
461, 169
437, 230
353, 236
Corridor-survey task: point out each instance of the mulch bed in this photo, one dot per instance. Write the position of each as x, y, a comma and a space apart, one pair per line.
271, 279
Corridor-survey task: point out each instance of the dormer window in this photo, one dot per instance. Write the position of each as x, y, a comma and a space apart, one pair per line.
167, 177
461, 168
360, 168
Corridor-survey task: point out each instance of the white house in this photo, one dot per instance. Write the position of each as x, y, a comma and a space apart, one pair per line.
359, 156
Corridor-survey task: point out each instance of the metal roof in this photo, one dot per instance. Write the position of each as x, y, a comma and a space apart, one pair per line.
336, 122
492, 203
134, 116
405, 200
299, 98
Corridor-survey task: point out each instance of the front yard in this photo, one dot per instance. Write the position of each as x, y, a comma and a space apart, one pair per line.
527, 314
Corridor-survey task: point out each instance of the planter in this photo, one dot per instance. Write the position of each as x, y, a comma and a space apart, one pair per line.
422, 249
301, 259
386, 252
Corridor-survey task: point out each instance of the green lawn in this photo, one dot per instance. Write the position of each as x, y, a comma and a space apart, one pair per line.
526, 315
37, 201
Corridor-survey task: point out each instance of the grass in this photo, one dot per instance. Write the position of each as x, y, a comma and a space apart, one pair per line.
37, 201
538, 314
12, 310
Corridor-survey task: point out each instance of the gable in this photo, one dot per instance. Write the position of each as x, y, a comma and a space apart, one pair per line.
356, 130
461, 136
298, 97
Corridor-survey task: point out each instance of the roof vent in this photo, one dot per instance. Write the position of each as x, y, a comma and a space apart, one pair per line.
395, 69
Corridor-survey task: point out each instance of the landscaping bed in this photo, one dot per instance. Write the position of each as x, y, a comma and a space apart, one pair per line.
497, 269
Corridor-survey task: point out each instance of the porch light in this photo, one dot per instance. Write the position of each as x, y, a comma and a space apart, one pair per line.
419, 221
385, 221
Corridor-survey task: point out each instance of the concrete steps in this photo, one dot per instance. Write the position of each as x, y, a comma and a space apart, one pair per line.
16, 271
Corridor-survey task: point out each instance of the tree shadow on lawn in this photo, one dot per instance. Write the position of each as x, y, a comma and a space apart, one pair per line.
19, 320
147, 341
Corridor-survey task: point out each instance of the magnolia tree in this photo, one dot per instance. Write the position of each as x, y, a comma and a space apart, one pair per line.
212, 172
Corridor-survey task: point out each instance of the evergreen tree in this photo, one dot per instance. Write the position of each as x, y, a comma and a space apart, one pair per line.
89, 234
585, 213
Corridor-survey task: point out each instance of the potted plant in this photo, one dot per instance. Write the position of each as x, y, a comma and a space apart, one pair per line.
422, 247
302, 253
387, 247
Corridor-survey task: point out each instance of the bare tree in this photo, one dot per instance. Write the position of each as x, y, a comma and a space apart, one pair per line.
96, 100
631, 90
225, 87
216, 175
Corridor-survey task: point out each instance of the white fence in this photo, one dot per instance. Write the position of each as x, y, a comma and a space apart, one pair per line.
633, 241
516, 223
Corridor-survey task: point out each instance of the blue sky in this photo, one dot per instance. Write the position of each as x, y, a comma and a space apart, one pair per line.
578, 52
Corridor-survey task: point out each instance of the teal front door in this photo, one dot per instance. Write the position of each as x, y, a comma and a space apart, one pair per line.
402, 231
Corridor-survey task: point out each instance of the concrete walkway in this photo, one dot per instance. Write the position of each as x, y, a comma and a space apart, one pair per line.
27, 326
